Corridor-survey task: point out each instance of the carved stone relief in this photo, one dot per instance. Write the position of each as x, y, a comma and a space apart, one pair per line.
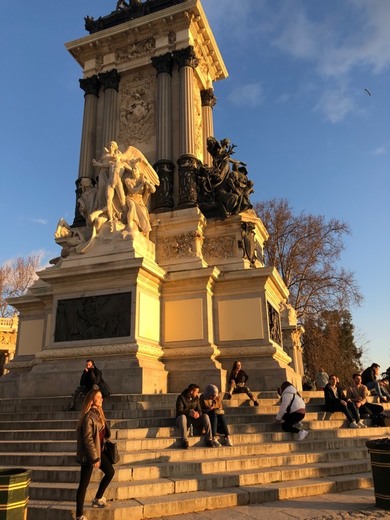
135, 50
218, 247
93, 317
178, 246
275, 330
137, 111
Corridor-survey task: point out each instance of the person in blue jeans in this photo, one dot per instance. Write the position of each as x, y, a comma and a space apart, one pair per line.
370, 379
211, 404
336, 401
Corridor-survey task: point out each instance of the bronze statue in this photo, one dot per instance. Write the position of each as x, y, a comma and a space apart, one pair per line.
225, 185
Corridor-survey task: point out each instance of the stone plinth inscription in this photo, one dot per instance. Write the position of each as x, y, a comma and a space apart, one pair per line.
93, 317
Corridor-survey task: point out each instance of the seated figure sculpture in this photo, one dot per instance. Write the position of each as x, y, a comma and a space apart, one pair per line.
225, 184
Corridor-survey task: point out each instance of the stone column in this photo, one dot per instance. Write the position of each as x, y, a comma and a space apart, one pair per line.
208, 103
91, 88
163, 198
187, 162
110, 81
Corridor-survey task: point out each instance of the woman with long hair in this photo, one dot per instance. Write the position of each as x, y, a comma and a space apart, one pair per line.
237, 382
92, 431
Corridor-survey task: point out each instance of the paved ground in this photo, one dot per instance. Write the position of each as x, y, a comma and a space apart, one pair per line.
355, 505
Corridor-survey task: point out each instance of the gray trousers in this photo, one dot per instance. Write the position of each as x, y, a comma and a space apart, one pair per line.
203, 422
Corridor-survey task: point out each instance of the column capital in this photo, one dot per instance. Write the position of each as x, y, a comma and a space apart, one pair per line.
208, 98
90, 85
163, 63
110, 79
186, 57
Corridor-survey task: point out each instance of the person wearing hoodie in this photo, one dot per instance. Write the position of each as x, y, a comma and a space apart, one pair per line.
292, 410
189, 413
211, 404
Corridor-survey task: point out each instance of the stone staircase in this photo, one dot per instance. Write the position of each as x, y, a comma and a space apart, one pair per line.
155, 478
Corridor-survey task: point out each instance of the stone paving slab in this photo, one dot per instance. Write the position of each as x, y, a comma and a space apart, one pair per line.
353, 505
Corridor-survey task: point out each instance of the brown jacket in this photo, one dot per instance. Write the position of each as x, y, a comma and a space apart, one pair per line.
358, 393
211, 405
88, 441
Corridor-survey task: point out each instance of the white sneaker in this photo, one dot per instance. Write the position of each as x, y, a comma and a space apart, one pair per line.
353, 425
302, 435
361, 424
228, 442
216, 443
99, 502
82, 517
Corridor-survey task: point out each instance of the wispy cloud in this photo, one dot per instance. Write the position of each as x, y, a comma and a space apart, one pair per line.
250, 95
335, 105
381, 150
41, 221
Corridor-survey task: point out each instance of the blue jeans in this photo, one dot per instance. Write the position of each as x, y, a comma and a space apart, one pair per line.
218, 424
379, 389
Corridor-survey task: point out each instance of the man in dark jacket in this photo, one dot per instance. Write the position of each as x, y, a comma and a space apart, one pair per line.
189, 413
90, 377
336, 401
370, 379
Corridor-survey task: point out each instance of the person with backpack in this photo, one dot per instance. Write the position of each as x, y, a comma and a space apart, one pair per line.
292, 410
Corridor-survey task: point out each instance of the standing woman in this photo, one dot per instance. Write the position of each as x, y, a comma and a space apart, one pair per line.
292, 410
237, 382
211, 404
92, 431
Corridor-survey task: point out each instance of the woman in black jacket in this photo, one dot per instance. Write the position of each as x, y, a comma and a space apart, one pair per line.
237, 383
92, 432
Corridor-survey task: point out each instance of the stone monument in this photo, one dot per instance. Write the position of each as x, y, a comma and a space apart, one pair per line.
161, 277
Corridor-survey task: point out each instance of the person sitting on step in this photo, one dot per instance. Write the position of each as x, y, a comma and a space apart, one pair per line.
237, 383
189, 412
292, 410
370, 378
321, 379
211, 404
336, 401
358, 393
91, 378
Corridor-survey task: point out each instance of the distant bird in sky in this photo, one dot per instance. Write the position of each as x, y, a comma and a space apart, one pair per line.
368, 92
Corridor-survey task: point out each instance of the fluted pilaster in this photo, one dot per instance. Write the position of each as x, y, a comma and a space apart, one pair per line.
110, 82
91, 88
163, 199
187, 62
208, 103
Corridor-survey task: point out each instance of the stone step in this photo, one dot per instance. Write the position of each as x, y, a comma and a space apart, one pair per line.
198, 452
126, 490
126, 444
168, 469
192, 502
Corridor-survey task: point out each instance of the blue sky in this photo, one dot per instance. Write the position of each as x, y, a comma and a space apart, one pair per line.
294, 104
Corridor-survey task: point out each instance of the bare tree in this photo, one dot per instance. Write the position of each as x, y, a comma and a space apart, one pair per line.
306, 250
15, 278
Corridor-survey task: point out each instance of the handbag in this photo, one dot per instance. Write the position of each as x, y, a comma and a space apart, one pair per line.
111, 450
